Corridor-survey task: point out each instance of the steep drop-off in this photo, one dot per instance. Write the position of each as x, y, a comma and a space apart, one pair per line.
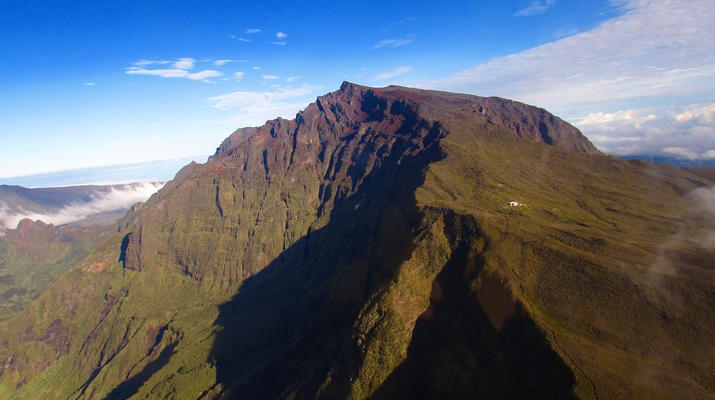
366, 249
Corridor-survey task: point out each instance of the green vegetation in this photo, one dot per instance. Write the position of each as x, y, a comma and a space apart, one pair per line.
35, 255
367, 250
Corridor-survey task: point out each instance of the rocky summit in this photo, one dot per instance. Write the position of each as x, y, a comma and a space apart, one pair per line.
389, 243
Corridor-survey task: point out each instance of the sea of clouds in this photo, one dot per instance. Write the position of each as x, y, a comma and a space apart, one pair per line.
118, 198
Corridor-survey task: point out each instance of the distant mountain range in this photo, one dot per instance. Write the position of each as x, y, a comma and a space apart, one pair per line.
680, 162
388, 243
87, 204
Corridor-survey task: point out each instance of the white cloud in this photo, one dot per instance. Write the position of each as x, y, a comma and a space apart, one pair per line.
175, 73
383, 76
220, 63
269, 77
116, 199
687, 133
292, 78
393, 43
180, 69
239, 99
658, 54
184, 63
281, 35
254, 108
705, 114
238, 75
536, 7
681, 152
164, 73
256, 68
204, 75
277, 43
615, 120
253, 30
90, 84
143, 63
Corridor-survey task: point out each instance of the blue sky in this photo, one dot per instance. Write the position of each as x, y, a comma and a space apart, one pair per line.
86, 84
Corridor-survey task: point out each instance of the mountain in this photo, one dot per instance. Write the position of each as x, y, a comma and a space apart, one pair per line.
368, 249
35, 254
84, 204
677, 161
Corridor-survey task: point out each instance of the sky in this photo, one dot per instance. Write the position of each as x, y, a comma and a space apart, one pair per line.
86, 84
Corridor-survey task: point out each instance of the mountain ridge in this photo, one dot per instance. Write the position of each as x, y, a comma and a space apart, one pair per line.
367, 249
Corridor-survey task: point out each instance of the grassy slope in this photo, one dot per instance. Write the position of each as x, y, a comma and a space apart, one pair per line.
28, 265
602, 256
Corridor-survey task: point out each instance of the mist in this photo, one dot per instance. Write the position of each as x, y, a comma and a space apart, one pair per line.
120, 198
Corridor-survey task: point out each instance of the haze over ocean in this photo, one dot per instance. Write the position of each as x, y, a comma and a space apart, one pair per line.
152, 171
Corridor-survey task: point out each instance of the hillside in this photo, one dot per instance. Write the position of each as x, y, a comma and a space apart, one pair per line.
35, 254
366, 249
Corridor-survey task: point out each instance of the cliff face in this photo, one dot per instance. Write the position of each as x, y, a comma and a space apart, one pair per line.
266, 187
366, 249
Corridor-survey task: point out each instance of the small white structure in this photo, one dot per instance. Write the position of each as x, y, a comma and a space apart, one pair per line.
513, 203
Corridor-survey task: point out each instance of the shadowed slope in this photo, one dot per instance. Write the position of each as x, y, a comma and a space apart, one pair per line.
366, 248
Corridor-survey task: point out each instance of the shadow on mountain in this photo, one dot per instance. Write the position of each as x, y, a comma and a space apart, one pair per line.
129, 387
476, 345
288, 332
292, 323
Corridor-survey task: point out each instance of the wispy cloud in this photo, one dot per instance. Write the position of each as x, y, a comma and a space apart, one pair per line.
383, 76
270, 77
562, 33
252, 31
657, 54
118, 198
393, 42
254, 108
238, 75
184, 63
220, 63
278, 43
175, 73
143, 63
239, 99
90, 84
281, 35
181, 69
292, 78
536, 7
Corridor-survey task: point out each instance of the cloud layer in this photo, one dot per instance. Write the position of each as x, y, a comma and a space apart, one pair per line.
116, 199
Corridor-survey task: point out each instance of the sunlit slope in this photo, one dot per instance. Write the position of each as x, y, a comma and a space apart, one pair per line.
36, 254
366, 249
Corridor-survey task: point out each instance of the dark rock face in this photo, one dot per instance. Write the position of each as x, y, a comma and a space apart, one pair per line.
316, 216
266, 187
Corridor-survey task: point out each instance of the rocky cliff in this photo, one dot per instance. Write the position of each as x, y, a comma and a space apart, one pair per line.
366, 249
